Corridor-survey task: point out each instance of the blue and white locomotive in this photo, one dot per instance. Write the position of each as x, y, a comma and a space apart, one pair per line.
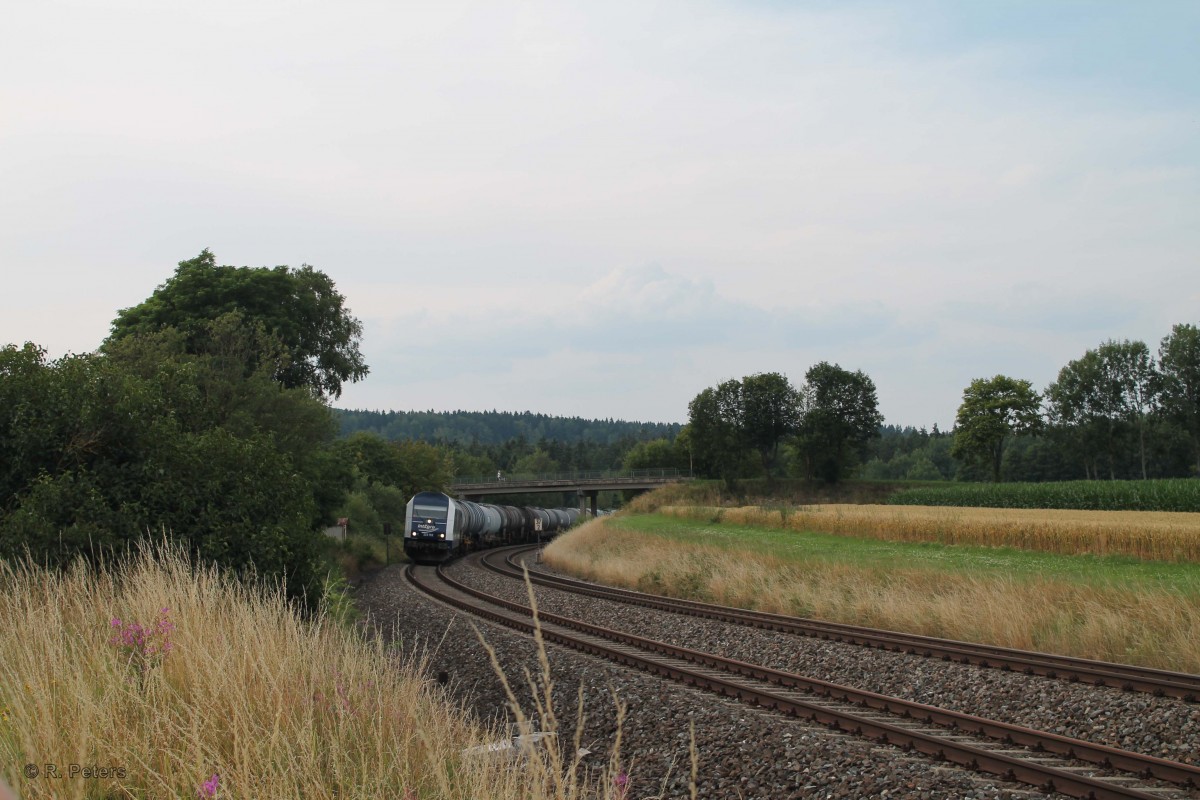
438, 527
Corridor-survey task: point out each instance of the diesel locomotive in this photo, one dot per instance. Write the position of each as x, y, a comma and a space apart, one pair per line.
438, 528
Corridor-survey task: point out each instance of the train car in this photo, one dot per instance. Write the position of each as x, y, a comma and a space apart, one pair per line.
438, 528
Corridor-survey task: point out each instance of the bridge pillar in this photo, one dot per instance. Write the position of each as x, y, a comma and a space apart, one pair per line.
588, 498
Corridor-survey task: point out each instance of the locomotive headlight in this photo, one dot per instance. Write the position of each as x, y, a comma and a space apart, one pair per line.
441, 536
414, 533
429, 522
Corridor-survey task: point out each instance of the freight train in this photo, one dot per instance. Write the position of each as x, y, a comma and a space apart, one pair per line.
438, 528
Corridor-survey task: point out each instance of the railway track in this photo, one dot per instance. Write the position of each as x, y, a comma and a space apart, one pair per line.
1160, 683
1036, 758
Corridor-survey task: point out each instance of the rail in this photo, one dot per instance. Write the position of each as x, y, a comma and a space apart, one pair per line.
751, 683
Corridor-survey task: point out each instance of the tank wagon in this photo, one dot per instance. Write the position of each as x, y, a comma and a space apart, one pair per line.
437, 527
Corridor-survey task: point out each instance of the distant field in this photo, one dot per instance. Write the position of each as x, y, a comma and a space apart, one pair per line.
1158, 536
1111, 607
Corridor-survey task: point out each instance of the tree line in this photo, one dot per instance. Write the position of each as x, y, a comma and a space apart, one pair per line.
469, 428
1116, 412
203, 418
762, 425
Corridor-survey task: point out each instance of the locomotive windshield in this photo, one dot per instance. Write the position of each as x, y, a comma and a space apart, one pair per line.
429, 512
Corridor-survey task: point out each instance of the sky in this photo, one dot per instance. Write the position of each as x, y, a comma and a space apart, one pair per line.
601, 209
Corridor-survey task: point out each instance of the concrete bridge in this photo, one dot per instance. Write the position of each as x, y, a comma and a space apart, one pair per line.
584, 485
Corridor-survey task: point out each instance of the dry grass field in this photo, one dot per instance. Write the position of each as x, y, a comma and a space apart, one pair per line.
1150, 535
879, 570
165, 680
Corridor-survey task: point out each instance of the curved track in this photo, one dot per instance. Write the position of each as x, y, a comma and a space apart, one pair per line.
1099, 673
1008, 751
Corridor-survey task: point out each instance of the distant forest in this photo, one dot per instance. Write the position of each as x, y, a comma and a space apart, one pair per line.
478, 443
481, 442
497, 427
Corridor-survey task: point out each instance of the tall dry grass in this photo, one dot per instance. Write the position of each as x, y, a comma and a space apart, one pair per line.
171, 680
1151, 535
1142, 626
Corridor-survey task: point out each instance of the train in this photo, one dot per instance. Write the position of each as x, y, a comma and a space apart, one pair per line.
438, 528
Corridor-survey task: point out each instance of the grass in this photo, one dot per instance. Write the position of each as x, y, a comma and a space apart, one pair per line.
1111, 607
175, 681
883, 553
1158, 536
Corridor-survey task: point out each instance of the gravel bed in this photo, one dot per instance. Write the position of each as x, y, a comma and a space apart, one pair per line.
1163, 727
742, 752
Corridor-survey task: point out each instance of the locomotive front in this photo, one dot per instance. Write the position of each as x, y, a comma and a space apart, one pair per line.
432, 528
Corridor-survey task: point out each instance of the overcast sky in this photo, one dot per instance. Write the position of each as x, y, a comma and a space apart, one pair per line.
600, 209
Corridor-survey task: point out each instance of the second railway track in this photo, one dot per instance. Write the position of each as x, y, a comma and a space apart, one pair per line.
1160, 683
1037, 758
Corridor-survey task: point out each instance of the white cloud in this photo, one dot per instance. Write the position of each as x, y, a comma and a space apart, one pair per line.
674, 193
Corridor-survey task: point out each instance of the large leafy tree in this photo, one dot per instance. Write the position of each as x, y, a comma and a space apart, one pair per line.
770, 413
714, 427
1179, 381
1132, 377
1102, 400
101, 450
300, 308
840, 415
1078, 410
994, 410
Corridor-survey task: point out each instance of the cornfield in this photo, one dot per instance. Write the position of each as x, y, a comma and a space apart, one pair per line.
1153, 536
1177, 494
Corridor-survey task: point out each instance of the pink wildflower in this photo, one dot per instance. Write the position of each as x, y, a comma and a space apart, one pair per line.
622, 784
208, 789
144, 642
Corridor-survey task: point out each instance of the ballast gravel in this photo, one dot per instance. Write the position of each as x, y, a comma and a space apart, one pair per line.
1158, 726
741, 752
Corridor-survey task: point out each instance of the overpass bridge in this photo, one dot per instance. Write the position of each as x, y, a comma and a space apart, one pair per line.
586, 486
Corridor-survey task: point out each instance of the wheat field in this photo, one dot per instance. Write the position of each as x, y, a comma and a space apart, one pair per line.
1151, 535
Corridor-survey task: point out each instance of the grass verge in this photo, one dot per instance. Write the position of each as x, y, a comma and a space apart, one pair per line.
166, 679
1106, 607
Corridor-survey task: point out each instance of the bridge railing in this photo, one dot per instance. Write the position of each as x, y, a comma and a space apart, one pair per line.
574, 475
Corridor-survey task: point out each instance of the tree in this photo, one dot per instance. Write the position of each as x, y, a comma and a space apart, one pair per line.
657, 454
1077, 410
714, 431
1131, 379
539, 462
100, 450
300, 308
1179, 381
840, 415
770, 412
992, 411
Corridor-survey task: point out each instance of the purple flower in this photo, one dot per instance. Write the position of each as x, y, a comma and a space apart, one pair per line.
208, 789
144, 642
